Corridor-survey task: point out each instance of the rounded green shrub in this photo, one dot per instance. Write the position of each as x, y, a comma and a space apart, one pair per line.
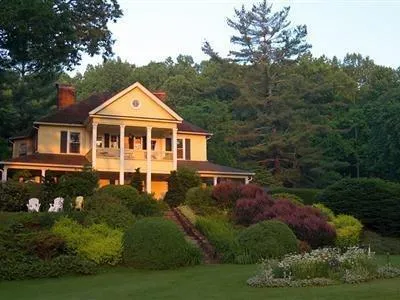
375, 202
125, 193
291, 197
348, 231
157, 243
103, 208
268, 239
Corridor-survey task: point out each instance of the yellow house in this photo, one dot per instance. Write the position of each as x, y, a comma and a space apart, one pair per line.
116, 134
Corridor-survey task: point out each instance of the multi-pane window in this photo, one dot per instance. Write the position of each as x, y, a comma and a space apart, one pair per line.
74, 142
180, 152
70, 142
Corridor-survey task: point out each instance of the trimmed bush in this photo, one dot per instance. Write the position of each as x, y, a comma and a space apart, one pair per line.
348, 231
307, 222
145, 205
221, 235
380, 244
124, 193
36, 268
47, 245
13, 196
268, 239
157, 243
309, 196
327, 212
375, 202
291, 197
200, 200
97, 243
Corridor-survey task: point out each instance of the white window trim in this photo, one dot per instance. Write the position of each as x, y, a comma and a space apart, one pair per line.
183, 148
69, 141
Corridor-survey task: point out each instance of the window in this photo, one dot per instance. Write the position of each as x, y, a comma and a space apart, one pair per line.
136, 104
70, 142
168, 144
23, 149
64, 142
180, 148
187, 149
153, 145
74, 142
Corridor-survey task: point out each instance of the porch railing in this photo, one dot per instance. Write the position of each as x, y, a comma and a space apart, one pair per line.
133, 154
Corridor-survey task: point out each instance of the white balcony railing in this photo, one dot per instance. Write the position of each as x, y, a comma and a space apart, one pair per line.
133, 154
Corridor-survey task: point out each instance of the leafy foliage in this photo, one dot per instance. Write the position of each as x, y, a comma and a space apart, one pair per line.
156, 243
97, 243
348, 231
268, 239
200, 200
13, 196
374, 202
78, 184
176, 194
137, 181
292, 198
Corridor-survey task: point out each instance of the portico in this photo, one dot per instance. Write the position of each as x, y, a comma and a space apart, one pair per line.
125, 147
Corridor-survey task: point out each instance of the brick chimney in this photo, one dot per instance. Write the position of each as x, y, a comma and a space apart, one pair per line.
160, 95
66, 95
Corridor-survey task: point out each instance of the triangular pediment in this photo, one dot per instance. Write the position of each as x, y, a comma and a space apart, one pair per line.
136, 102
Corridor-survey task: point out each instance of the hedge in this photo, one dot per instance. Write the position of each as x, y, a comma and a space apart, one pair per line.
309, 196
157, 243
268, 239
375, 202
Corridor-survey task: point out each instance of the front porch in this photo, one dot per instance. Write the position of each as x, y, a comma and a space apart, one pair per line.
123, 148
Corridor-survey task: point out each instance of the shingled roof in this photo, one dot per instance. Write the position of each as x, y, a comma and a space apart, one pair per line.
79, 112
209, 167
50, 159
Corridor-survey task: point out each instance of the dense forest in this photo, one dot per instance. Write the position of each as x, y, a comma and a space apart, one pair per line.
296, 119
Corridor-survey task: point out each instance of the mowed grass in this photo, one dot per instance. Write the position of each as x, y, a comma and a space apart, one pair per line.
201, 282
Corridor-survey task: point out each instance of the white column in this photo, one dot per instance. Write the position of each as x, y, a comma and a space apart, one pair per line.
215, 180
174, 149
4, 174
94, 140
121, 154
246, 180
43, 172
148, 171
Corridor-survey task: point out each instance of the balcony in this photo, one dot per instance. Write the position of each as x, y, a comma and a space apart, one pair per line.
130, 154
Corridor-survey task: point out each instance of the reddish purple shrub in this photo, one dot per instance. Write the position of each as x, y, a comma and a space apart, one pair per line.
306, 222
226, 194
247, 209
251, 191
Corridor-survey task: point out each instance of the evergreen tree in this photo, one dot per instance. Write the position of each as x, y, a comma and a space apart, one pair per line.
175, 195
137, 181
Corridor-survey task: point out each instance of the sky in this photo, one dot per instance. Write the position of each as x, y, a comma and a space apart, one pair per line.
153, 30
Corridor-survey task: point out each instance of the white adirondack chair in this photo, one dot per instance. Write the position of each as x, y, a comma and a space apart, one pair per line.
33, 205
57, 205
79, 203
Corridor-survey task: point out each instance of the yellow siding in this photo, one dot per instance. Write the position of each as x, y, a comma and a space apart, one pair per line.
49, 137
112, 164
159, 188
198, 148
148, 108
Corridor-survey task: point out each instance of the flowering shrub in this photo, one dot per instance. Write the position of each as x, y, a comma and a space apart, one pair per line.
321, 267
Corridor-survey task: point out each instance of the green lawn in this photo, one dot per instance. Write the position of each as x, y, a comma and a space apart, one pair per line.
201, 282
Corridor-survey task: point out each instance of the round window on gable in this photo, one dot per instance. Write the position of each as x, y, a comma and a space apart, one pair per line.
136, 104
